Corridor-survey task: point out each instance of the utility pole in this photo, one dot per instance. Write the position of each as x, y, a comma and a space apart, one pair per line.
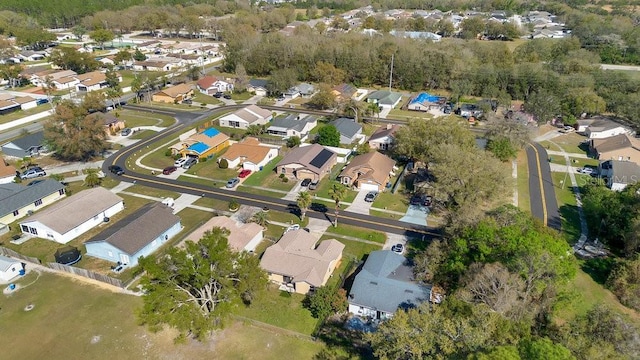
391, 73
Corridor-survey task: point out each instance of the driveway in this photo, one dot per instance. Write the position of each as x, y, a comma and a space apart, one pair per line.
359, 205
393, 239
416, 214
292, 195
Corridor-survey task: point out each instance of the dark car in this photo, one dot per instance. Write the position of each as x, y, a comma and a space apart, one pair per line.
187, 101
421, 199
218, 95
305, 182
428, 200
169, 169
371, 196
125, 132
116, 169
227, 96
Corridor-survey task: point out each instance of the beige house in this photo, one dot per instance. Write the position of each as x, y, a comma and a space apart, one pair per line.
111, 123
370, 171
382, 139
174, 94
241, 237
620, 147
243, 118
250, 153
308, 162
18, 201
297, 265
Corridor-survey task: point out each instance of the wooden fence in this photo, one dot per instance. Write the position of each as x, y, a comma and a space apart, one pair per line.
8, 252
87, 274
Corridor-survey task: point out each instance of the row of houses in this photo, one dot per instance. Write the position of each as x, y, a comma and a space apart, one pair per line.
69, 79
10, 103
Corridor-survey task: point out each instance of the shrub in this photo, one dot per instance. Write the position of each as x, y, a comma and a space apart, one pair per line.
281, 176
285, 180
233, 205
168, 153
223, 164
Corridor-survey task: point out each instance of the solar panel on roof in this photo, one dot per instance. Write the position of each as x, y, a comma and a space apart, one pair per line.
321, 158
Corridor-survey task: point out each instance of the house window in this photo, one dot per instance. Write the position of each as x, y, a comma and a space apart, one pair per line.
61, 192
34, 231
283, 170
287, 279
38, 202
16, 212
24, 228
234, 124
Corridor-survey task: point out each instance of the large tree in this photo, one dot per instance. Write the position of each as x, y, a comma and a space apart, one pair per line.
194, 289
329, 136
72, 135
69, 58
337, 194
304, 201
102, 36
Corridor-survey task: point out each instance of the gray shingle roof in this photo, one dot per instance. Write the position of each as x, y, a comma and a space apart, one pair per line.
259, 83
29, 141
138, 229
385, 97
385, 283
625, 172
15, 196
291, 122
346, 127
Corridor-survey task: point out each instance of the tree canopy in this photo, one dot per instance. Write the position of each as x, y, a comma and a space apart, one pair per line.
329, 136
194, 289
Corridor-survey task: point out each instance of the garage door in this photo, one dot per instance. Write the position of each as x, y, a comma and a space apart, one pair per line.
369, 187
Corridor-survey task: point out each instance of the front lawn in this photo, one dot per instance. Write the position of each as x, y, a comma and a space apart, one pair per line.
148, 191
325, 186
134, 119
268, 178
570, 143
207, 99
241, 96
281, 309
357, 232
142, 134
211, 170
394, 202
22, 113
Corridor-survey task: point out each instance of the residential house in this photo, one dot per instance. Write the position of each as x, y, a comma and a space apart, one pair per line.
7, 172
425, 102
241, 237
39, 78
73, 216
174, 94
619, 147
383, 137
309, 162
292, 93
384, 285
289, 125
370, 171
349, 130
7, 107
26, 102
66, 82
250, 154
210, 85
25, 146
18, 201
9, 268
138, 235
111, 123
158, 64
94, 80
305, 89
201, 145
599, 128
258, 87
28, 55
344, 92
420, 35
385, 99
297, 265
619, 174
250, 115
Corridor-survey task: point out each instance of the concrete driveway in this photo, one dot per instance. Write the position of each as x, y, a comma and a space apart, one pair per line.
292, 195
359, 205
416, 214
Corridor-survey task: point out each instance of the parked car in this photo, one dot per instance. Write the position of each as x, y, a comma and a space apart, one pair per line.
189, 162
187, 101
305, 182
292, 228
371, 196
169, 169
125, 132
397, 248
34, 172
586, 171
244, 173
232, 183
180, 162
227, 96
218, 95
428, 200
116, 169
314, 185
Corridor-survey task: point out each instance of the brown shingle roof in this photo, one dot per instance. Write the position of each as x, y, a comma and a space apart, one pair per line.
105, 118
69, 213
239, 234
371, 166
139, 229
305, 156
617, 142
294, 255
249, 149
207, 81
24, 99
174, 91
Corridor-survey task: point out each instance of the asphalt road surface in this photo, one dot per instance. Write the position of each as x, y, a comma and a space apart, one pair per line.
217, 191
542, 194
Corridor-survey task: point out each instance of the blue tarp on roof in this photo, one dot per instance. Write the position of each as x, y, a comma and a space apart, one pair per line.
425, 97
211, 132
199, 147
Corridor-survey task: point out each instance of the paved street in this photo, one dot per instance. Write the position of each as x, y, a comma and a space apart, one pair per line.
544, 205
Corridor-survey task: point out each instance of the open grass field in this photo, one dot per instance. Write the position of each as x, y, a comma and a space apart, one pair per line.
135, 119
74, 320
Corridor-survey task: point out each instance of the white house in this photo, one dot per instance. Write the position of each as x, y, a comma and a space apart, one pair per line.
250, 154
74, 216
600, 128
250, 115
9, 268
210, 85
258, 87
293, 125
26, 102
383, 137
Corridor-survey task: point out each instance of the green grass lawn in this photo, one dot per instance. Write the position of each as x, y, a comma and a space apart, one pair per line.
524, 197
135, 119
358, 232
242, 96
22, 113
208, 182
265, 192
353, 249
142, 134
268, 177
206, 99
212, 203
571, 143
325, 186
210, 169
145, 190
395, 202
281, 309
157, 158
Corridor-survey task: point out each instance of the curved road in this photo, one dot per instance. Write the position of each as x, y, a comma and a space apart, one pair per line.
218, 192
544, 205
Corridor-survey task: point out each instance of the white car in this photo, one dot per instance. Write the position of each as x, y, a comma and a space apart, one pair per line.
292, 228
586, 171
180, 162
